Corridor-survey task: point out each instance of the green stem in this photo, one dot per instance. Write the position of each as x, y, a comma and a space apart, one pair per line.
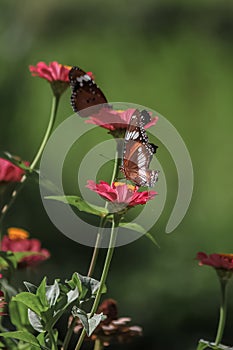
222, 313
114, 172
34, 162
52, 340
52, 118
98, 345
102, 223
94, 255
107, 263
69, 334
96, 249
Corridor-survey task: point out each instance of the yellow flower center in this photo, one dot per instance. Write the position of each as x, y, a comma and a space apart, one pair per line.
15, 233
67, 67
130, 187
229, 256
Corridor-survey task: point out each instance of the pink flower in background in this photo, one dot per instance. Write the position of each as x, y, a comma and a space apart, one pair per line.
51, 72
121, 193
218, 261
115, 119
18, 241
10, 172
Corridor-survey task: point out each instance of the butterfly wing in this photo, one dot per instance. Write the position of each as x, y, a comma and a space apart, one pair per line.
136, 161
138, 152
75, 75
85, 92
145, 117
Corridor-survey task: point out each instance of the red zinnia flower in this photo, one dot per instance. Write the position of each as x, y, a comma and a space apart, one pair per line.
218, 261
17, 241
10, 172
55, 73
121, 193
115, 120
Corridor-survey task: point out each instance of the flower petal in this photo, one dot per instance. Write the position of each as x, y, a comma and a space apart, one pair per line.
9, 172
52, 72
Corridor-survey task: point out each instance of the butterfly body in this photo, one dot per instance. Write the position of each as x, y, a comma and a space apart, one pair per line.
85, 92
138, 152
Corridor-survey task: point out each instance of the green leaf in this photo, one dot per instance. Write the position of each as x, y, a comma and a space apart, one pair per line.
19, 316
48, 185
94, 321
87, 286
80, 204
20, 255
32, 301
30, 287
82, 315
41, 292
22, 335
7, 260
10, 291
72, 295
75, 282
16, 161
138, 228
203, 344
35, 321
152, 239
90, 286
89, 323
11, 259
44, 340
26, 346
11, 344
52, 293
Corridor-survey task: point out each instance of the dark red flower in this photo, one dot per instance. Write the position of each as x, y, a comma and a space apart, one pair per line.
18, 241
112, 330
10, 172
121, 193
109, 309
115, 120
218, 261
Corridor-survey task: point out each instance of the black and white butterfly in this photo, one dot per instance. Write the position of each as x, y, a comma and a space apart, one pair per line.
138, 152
85, 92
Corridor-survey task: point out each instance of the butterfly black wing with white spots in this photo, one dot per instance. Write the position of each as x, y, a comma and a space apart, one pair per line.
85, 92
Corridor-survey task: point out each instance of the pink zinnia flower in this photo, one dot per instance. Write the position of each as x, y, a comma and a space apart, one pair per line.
55, 73
116, 120
121, 193
52, 72
218, 261
10, 172
18, 241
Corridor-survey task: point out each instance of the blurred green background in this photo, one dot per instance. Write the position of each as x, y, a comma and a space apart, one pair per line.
176, 57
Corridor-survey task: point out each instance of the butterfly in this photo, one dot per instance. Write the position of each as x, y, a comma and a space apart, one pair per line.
85, 92
138, 152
